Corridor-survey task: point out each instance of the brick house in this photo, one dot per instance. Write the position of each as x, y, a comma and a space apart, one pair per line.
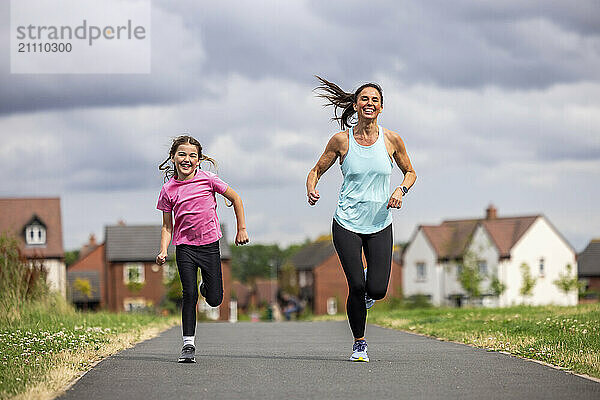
36, 224
88, 267
433, 259
134, 280
322, 282
588, 263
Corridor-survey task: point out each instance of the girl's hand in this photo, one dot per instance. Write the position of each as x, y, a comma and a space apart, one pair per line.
313, 197
161, 258
242, 237
396, 199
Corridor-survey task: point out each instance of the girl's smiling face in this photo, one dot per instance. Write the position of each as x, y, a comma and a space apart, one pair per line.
186, 160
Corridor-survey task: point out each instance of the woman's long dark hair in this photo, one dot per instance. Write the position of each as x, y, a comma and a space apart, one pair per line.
341, 100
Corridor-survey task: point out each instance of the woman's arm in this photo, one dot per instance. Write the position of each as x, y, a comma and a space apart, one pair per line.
165, 237
331, 153
403, 162
238, 207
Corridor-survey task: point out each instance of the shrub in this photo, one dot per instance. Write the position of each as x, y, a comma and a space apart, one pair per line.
21, 280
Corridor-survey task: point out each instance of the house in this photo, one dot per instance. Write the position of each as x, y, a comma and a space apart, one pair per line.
132, 278
36, 224
89, 268
588, 266
500, 246
321, 280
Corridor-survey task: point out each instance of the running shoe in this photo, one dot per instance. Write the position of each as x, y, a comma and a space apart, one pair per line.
359, 351
188, 354
368, 301
202, 289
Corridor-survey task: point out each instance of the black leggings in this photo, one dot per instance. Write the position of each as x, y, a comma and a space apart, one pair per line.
189, 258
378, 253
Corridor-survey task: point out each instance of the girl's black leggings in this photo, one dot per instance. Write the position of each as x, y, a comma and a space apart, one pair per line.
189, 258
378, 253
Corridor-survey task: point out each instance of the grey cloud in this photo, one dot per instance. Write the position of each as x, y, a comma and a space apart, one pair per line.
177, 62
466, 43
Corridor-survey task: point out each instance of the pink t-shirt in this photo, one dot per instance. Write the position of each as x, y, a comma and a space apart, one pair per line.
194, 208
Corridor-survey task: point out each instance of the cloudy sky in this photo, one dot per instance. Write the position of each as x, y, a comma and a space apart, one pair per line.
497, 102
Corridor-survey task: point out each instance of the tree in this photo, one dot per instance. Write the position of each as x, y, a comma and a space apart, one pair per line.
469, 277
288, 282
497, 287
528, 281
84, 287
567, 283
259, 261
71, 257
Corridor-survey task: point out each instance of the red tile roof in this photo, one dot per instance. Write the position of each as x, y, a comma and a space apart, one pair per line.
450, 238
17, 212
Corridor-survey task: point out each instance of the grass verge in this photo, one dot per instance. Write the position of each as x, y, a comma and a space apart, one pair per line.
566, 337
50, 345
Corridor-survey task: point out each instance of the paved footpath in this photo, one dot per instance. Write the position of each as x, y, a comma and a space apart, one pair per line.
308, 360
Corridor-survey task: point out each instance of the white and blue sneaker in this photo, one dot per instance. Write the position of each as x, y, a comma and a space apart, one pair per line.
359, 351
368, 301
188, 354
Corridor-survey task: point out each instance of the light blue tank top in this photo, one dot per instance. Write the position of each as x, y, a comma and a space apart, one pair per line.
365, 192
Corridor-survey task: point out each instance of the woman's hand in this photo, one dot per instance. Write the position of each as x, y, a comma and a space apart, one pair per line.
161, 258
313, 197
242, 237
396, 199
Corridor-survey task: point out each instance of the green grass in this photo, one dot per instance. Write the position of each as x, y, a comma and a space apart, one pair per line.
567, 337
34, 343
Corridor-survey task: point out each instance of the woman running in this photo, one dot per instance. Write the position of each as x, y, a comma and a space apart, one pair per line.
189, 197
363, 220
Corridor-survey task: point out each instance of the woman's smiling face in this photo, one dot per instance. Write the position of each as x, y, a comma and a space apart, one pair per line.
368, 103
186, 160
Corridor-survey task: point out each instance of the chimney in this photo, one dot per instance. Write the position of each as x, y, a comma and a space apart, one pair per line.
92, 240
491, 212
121, 222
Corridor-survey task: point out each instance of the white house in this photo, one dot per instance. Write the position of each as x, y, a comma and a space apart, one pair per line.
36, 224
432, 259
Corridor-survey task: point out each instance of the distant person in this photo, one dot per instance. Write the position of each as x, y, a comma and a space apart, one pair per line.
363, 218
290, 305
188, 199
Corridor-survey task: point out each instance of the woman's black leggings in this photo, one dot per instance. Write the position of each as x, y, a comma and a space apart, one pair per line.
189, 258
378, 253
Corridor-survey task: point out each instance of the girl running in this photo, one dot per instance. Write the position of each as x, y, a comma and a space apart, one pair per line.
363, 220
189, 196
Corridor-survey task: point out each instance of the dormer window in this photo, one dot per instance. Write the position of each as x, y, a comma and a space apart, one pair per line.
35, 233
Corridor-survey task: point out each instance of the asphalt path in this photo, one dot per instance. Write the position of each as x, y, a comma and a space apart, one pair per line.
309, 360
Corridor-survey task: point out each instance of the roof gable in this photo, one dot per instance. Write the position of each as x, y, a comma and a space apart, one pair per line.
450, 239
588, 261
506, 232
312, 255
17, 213
142, 243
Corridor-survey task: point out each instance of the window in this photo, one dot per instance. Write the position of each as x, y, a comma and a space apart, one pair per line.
305, 278
133, 273
332, 306
483, 269
421, 271
168, 272
134, 304
35, 234
459, 270
542, 267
